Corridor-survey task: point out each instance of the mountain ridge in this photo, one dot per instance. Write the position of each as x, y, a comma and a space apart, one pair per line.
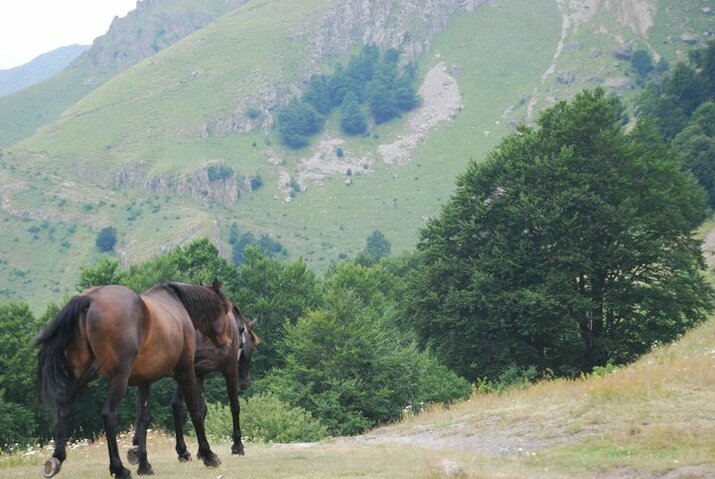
38, 69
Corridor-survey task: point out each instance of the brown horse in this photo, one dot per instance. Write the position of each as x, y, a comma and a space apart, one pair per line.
234, 363
131, 340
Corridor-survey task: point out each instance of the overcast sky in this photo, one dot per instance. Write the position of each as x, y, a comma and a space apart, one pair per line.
29, 28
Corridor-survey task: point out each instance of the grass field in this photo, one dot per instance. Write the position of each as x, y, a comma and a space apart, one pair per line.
653, 419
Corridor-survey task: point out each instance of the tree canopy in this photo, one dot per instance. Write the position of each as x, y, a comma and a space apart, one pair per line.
569, 247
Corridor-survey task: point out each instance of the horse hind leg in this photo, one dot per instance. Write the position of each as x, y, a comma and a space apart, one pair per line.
63, 405
138, 453
117, 389
53, 465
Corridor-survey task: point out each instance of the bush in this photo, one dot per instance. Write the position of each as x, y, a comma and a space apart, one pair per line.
106, 239
265, 418
348, 368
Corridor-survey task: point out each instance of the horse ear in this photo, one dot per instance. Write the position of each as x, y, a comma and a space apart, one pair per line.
251, 324
216, 285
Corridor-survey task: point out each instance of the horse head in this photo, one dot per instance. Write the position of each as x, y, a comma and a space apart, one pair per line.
248, 341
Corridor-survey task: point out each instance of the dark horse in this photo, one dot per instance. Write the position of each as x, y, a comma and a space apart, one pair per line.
131, 340
234, 363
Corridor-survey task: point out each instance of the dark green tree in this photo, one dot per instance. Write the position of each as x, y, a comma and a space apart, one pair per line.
344, 366
318, 94
19, 410
297, 121
378, 246
106, 271
686, 86
275, 294
642, 64
352, 119
696, 144
569, 247
664, 110
704, 61
106, 239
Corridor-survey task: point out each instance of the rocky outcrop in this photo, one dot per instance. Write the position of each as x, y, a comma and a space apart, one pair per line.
211, 183
409, 25
151, 27
130, 174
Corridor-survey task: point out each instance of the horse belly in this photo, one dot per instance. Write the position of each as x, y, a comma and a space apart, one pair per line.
149, 368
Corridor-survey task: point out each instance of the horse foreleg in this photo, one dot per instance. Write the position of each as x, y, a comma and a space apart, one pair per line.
190, 387
232, 390
177, 405
117, 388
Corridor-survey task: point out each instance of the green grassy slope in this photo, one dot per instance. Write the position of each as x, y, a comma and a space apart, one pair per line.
160, 116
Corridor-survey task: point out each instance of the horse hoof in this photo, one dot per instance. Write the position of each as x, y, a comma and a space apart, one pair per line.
238, 449
124, 474
133, 455
145, 471
52, 466
185, 456
211, 460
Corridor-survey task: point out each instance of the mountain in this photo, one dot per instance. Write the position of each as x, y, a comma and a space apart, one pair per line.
41, 68
151, 27
141, 150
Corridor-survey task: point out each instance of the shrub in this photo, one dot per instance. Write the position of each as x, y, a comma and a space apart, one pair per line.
106, 239
265, 418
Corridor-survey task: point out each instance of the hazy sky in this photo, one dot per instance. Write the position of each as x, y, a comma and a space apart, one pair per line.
29, 28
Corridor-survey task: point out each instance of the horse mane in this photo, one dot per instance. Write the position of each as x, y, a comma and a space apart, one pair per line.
203, 303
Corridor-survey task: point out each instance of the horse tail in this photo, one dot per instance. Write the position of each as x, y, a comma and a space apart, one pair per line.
54, 372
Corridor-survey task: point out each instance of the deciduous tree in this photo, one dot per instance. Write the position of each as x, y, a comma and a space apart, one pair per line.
569, 247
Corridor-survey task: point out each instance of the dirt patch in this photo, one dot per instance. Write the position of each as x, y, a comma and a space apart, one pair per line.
637, 14
329, 160
708, 248
492, 437
441, 100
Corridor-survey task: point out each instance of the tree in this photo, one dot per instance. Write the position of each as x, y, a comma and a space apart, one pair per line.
298, 121
642, 63
18, 409
106, 271
318, 94
353, 121
704, 61
378, 246
696, 144
686, 86
569, 247
106, 239
345, 367
275, 294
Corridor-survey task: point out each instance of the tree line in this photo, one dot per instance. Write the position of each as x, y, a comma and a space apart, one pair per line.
371, 84
569, 247
331, 346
